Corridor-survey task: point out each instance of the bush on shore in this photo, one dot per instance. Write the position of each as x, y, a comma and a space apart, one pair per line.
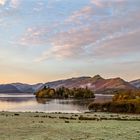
116, 107
127, 95
123, 102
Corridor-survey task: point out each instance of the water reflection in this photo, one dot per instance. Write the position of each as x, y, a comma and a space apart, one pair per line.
65, 101
30, 103
16, 99
42, 100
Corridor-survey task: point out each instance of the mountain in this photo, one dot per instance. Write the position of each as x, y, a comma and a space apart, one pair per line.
112, 85
26, 88
38, 86
72, 82
135, 83
20, 88
8, 88
96, 83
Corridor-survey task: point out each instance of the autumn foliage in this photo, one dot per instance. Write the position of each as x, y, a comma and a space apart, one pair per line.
123, 102
63, 92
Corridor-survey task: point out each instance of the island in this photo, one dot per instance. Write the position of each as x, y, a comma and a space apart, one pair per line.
63, 92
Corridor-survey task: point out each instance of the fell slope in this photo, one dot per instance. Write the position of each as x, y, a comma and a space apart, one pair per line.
96, 83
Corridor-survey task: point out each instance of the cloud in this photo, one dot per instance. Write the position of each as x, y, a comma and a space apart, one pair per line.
2, 2
128, 63
36, 36
83, 13
96, 30
70, 44
97, 2
107, 3
12, 3
15, 3
127, 44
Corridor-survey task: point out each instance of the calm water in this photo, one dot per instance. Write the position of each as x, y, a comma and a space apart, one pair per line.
26, 102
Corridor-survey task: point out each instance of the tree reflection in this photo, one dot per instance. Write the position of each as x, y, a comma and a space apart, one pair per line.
42, 100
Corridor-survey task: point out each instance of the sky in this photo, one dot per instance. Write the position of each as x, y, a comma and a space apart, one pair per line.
47, 40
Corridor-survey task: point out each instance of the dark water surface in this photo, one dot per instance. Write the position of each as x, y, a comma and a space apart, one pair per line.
26, 102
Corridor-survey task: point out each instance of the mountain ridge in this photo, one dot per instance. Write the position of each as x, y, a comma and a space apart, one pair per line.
95, 83
135, 83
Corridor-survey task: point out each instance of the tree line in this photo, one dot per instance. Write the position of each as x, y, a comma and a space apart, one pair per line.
63, 92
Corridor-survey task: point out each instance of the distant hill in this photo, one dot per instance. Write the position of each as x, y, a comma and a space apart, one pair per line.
96, 83
20, 88
135, 83
8, 88
26, 88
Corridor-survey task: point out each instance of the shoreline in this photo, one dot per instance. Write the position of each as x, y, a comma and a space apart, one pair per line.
90, 115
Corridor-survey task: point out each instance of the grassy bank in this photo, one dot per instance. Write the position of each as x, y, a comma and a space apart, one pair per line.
54, 126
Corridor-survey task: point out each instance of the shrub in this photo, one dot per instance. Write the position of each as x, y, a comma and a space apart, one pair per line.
46, 92
126, 95
132, 106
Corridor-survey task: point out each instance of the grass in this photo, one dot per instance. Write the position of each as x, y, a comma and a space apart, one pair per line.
43, 126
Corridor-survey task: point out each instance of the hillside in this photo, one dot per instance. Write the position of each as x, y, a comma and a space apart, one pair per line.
8, 88
135, 83
96, 83
26, 88
19, 88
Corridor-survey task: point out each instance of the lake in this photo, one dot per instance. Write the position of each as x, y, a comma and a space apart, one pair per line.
28, 103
